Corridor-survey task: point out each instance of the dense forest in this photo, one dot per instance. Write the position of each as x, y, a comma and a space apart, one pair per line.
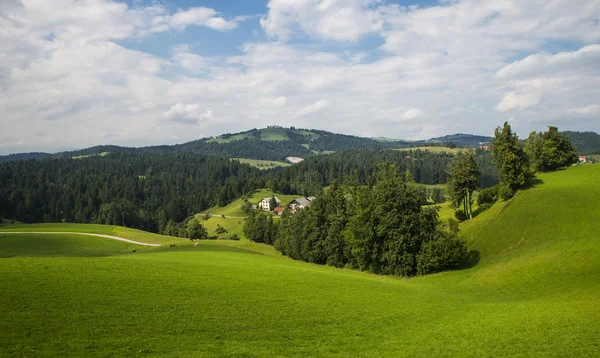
147, 190
586, 142
143, 191
381, 228
357, 166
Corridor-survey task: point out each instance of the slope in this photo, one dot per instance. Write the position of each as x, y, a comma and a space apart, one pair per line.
534, 292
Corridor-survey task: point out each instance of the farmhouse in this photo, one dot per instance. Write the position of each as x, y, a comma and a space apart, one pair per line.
300, 203
265, 204
279, 210
582, 159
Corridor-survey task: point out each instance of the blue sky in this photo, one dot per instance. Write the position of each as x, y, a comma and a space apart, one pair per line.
76, 73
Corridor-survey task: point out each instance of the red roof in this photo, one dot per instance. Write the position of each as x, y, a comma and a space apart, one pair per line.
279, 210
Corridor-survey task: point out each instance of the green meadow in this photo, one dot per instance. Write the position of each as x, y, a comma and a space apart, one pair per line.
530, 288
262, 164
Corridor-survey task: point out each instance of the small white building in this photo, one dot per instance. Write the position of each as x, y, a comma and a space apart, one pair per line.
265, 204
300, 203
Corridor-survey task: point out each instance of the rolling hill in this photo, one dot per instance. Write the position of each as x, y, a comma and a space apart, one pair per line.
267, 144
531, 288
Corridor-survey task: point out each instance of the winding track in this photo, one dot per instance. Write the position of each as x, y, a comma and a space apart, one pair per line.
80, 233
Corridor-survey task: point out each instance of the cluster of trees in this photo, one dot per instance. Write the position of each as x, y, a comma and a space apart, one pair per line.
380, 228
515, 163
153, 192
356, 167
550, 150
545, 151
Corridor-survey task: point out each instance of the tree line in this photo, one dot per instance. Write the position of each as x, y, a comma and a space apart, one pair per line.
380, 228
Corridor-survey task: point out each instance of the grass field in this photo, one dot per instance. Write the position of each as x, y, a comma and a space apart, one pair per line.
274, 134
235, 224
235, 207
90, 155
532, 289
262, 164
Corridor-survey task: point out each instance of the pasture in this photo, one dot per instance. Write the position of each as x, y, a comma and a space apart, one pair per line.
531, 288
262, 164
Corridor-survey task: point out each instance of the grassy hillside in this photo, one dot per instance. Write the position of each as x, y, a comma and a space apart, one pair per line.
532, 289
235, 207
234, 222
263, 164
119, 231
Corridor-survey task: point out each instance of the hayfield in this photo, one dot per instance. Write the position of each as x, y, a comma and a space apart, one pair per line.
532, 288
262, 164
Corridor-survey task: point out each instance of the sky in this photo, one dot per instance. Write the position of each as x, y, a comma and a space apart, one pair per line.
78, 73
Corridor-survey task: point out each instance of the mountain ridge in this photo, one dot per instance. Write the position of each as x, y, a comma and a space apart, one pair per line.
271, 143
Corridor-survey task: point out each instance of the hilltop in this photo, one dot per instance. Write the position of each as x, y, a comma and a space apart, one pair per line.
271, 144
530, 289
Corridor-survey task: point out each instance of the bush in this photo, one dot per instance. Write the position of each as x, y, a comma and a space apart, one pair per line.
460, 215
212, 237
220, 230
206, 216
488, 196
505, 192
444, 253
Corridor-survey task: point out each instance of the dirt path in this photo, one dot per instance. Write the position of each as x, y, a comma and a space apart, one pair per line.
80, 233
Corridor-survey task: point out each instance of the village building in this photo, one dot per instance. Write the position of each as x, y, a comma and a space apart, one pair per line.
300, 203
279, 210
582, 159
265, 204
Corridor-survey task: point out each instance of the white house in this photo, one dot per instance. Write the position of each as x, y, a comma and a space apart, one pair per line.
300, 203
265, 204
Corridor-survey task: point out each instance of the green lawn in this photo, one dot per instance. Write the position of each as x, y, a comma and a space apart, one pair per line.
532, 289
262, 164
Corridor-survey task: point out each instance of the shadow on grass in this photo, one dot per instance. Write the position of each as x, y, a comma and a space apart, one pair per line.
532, 183
473, 257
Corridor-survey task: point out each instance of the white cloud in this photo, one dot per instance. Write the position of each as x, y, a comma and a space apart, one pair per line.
412, 113
339, 20
592, 110
587, 58
514, 100
187, 113
202, 16
313, 108
442, 69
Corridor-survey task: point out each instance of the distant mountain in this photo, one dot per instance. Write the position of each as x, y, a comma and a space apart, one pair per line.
462, 140
585, 142
272, 143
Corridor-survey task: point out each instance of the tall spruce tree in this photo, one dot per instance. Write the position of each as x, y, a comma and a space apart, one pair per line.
464, 180
509, 157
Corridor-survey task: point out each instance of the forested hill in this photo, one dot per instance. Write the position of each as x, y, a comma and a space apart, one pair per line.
149, 190
273, 143
462, 140
585, 142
